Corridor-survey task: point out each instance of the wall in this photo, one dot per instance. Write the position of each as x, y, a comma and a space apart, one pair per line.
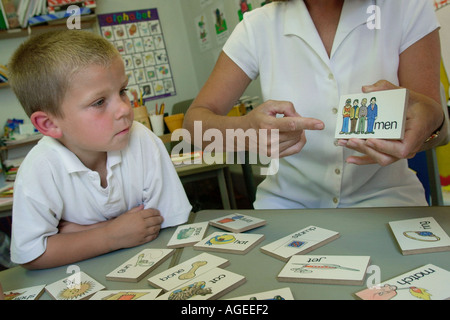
177, 42
204, 60
190, 65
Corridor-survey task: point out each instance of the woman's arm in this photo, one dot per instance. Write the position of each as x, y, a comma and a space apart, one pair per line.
224, 87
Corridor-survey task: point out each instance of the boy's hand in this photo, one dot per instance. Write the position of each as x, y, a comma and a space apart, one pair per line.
133, 228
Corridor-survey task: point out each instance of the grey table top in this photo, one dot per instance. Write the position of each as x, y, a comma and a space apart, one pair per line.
363, 231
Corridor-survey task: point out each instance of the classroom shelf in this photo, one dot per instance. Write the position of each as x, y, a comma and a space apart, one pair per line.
87, 21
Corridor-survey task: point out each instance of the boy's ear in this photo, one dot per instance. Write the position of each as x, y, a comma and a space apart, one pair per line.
43, 122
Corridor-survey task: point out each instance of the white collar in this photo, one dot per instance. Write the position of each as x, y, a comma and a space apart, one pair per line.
298, 22
71, 162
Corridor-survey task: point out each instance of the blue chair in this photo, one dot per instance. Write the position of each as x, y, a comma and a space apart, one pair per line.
425, 165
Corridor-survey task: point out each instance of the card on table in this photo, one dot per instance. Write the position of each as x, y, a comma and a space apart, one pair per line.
343, 270
278, 294
149, 294
210, 285
420, 235
237, 223
140, 265
380, 115
31, 293
78, 286
428, 282
300, 242
186, 271
239, 243
187, 235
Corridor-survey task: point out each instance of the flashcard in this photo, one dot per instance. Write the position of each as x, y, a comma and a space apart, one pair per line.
343, 270
239, 243
279, 294
78, 286
428, 282
237, 223
300, 242
187, 235
149, 294
186, 271
210, 285
379, 115
31, 293
420, 235
140, 265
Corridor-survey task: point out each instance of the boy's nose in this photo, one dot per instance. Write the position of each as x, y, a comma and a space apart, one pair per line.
124, 109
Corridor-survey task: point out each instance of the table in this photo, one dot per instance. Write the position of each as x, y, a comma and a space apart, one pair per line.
196, 172
364, 231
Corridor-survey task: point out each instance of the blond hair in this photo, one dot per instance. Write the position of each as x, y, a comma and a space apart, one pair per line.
41, 69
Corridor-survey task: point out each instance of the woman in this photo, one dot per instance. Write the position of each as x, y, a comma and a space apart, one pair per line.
309, 53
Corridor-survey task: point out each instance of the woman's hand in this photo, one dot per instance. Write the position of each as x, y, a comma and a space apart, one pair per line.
422, 118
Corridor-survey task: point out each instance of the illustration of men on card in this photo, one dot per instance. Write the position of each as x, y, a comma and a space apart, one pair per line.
354, 115
346, 116
362, 115
388, 292
372, 114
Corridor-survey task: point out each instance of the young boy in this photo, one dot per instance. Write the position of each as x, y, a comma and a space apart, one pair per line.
97, 181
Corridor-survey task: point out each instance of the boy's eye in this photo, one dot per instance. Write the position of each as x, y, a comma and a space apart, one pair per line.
98, 103
123, 92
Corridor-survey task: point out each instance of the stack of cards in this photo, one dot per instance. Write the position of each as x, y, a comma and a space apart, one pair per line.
140, 265
187, 235
425, 283
237, 223
184, 272
420, 235
78, 286
300, 242
342, 270
239, 243
31, 293
210, 285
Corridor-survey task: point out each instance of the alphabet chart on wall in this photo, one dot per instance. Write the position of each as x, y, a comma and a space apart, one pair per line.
139, 38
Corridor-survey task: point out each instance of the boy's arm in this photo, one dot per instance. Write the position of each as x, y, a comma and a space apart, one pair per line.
133, 228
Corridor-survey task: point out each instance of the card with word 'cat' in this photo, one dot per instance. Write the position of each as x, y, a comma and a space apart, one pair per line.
210, 285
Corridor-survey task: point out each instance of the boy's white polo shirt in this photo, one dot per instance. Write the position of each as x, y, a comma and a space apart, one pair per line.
280, 44
53, 185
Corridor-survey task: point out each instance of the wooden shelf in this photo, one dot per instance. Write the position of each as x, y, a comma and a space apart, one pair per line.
87, 21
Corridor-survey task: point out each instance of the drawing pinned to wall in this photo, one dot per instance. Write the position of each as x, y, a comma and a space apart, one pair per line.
244, 6
202, 33
139, 38
220, 24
